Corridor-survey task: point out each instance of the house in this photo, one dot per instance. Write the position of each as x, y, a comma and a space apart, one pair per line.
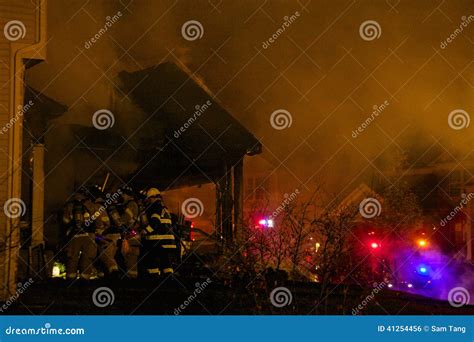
172, 133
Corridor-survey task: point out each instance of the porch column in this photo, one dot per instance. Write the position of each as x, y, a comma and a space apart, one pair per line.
238, 197
37, 211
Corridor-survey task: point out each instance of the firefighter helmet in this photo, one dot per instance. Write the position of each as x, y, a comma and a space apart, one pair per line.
153, 192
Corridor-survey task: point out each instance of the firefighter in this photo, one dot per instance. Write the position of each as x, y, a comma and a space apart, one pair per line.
109, 240
81, 248
158, 241
100, 216
130, 216
141, 197
101, 221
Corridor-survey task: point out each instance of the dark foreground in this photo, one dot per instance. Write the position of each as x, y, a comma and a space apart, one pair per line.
56, 297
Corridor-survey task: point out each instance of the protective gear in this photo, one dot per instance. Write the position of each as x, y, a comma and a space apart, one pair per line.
130, 213
131, 252
96, 215
101, 218
108, 242
81, 248
68, 215
159, 241
76, 216
81, 252
114, 214
108, 247
101, 221
130, 239
153, 192
142, 217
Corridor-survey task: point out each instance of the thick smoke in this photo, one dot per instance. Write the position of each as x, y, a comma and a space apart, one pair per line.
319, 69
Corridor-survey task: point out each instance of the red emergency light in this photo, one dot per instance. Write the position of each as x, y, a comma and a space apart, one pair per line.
375, 245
